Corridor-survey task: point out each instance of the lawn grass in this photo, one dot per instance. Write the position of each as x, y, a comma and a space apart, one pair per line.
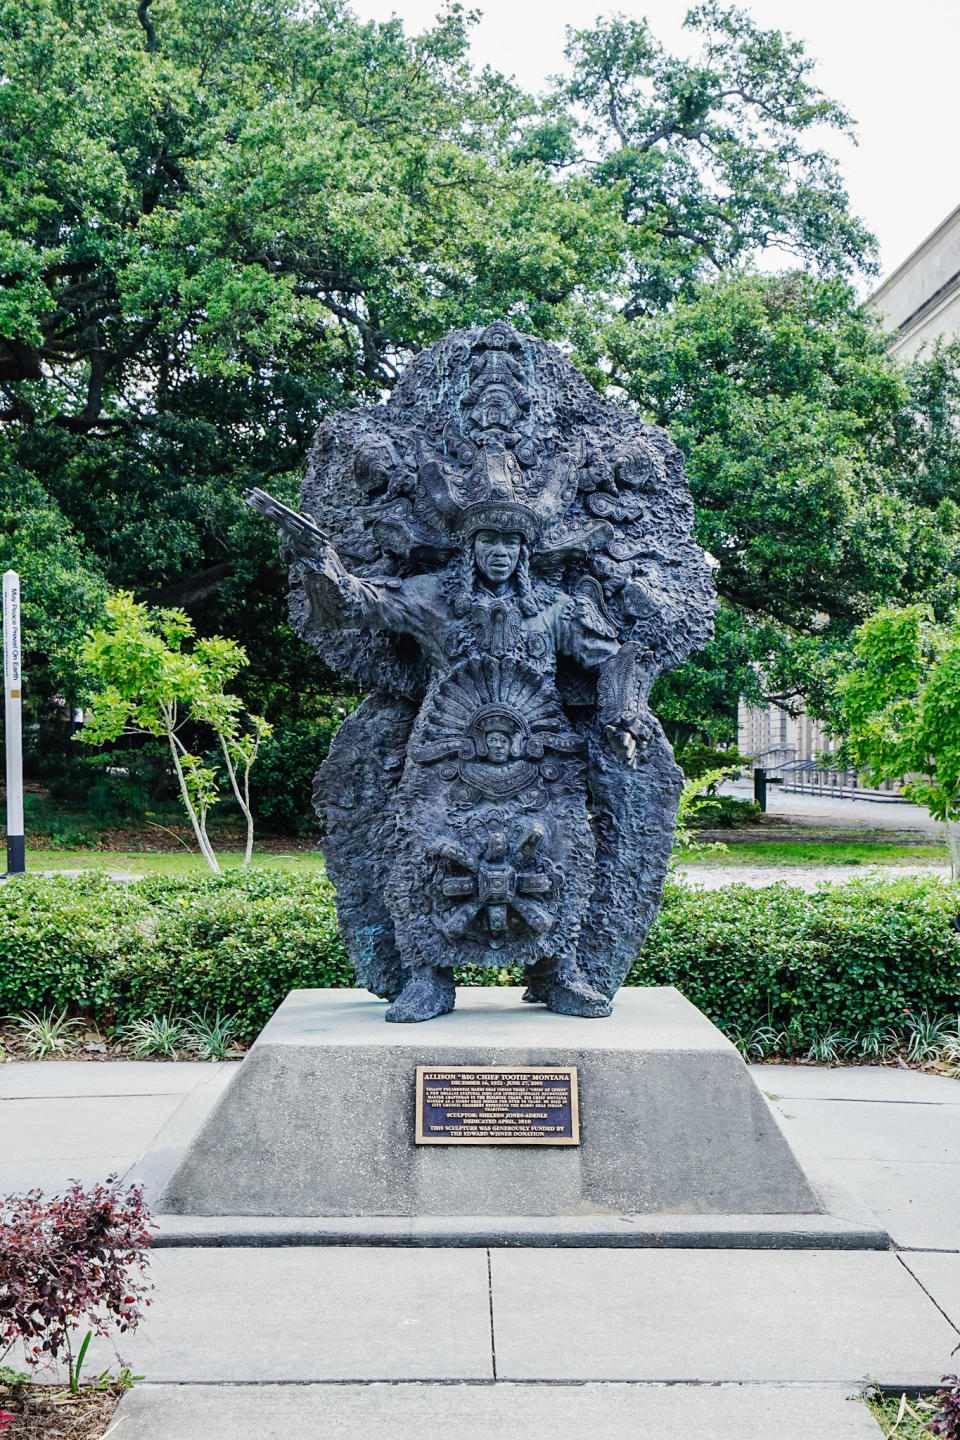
811, 852
168, 862
771, 852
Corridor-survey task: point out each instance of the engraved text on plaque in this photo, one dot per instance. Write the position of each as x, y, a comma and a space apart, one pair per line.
496, 1105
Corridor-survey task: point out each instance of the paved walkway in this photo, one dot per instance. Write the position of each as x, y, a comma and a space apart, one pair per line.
802, 877
823, 813
525, 1344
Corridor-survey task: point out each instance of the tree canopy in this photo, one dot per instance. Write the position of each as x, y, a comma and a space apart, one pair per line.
897, 710
825, 477
220, 219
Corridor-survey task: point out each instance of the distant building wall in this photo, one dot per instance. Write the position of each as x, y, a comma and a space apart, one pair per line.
763, 732
920, 301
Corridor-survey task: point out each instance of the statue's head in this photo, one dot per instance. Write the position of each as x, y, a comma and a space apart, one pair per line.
498, 746
498, 738
497, 553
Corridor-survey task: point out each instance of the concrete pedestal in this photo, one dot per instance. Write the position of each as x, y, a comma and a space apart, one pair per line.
675, 1137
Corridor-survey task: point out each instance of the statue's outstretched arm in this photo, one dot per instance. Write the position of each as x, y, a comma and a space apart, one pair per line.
338, 599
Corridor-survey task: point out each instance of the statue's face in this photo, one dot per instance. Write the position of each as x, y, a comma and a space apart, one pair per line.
497, 553
498, 746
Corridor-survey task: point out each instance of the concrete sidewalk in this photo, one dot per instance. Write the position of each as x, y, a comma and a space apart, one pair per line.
527, 1343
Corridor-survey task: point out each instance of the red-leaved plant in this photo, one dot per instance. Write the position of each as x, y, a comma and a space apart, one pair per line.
73, 1259
946, 1422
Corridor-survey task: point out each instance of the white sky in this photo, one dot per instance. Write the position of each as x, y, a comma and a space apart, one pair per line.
894, 66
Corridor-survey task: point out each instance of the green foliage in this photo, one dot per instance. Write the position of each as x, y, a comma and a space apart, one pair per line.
217, 224
826, 479
212, 233
698, 803
62, 942
62, 584
154, 1035
847, 962
697, 759
235, 944
898, 708
844, 960
47, 1034
142, 681
281, 785
902, 1417
212, 1037
708, 154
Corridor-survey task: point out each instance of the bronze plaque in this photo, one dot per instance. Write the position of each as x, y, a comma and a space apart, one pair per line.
497, 1105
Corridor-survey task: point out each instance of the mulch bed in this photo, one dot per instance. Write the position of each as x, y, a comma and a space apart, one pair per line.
48, 1412
91, 1046
177, 839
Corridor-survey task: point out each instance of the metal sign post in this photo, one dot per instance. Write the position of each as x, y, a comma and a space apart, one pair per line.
12, 692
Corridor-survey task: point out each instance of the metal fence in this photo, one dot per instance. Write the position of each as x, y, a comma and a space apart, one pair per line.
773, 761
808, 777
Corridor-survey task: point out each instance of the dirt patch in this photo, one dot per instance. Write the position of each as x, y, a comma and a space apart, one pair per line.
48, 1412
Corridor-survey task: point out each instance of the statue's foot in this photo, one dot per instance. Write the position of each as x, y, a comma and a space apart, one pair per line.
536, 991
538, 982
576, 997
422, 998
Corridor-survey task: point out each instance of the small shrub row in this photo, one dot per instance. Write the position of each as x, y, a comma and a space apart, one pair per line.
848, 961
122, 953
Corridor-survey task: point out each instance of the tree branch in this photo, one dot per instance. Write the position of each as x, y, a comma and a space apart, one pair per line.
143, 15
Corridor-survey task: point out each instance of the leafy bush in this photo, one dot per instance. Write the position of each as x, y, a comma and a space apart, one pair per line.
848, 963
62, 942
236, 944
946, 1422
842, 961
75, 1258
697, 760
281, 786
726, 812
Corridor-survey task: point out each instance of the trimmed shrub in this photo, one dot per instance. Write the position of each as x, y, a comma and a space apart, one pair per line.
62, 941
846, 959
237, 943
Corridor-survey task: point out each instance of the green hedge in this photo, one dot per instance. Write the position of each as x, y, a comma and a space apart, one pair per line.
846, 959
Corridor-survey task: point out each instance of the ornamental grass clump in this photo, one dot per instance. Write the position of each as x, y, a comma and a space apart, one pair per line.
71, 1262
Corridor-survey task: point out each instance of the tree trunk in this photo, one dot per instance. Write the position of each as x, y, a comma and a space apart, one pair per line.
199, 830
953, 840
243, 800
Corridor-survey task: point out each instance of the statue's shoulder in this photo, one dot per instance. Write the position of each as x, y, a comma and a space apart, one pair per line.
424, 589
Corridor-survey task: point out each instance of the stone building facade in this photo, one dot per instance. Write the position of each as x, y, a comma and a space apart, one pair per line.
775, 736
920, 301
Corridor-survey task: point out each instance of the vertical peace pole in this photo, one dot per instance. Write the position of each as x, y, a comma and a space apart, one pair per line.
12, 689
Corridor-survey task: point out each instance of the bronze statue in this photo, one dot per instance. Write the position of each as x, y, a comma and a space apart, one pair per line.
506, 561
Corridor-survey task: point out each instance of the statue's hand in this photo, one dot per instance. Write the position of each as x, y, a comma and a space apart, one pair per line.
626, 740
321, 569
623, 745
322, 577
